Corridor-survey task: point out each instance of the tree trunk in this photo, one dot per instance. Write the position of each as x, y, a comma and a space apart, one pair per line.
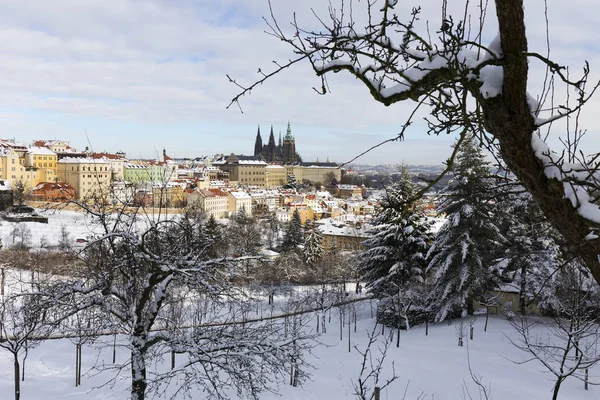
17, 369
556, 389
138, 375
522, 289
509, 120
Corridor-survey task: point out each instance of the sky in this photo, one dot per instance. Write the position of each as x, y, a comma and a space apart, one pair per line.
142, 76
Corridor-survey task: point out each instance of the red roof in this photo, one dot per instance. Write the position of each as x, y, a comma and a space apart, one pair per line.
105, 155
218, 192
46, 186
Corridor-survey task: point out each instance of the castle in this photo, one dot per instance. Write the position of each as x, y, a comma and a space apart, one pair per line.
284, 152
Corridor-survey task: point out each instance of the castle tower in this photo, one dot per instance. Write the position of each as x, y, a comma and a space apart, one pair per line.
289, 147
258, 146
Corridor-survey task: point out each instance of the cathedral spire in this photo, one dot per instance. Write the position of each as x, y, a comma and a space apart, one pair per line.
271, 147
288, 135
258, 146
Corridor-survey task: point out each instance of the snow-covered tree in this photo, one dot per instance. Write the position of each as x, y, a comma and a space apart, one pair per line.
132, 273
467, 244
294, 234
395, 251
313, 247
214, 233
464, 84
24, 322
393, 262
532, 253
243, 235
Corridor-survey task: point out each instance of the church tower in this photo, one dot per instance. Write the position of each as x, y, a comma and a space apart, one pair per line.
289, 147
258, 146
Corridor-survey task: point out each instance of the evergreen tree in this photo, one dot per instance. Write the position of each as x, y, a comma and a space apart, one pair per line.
531, 251
313, 247
214, 233
294, 235
394, 259
468, 242
243, 235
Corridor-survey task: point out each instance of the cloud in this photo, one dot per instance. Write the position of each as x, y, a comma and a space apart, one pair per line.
136, 71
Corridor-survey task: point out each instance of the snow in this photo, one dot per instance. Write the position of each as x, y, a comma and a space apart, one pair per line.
433, 365
491, 77
569, 175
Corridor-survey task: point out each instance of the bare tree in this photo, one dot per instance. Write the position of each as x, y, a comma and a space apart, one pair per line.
467, 87
136, 268
568, 346
23, 323
371, 367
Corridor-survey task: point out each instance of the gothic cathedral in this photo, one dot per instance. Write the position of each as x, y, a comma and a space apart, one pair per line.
284, 152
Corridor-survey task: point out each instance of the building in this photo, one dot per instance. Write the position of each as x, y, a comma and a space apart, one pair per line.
289, 147
214, 202
276, 176
14, 170
238, 200
135, 173
117, 164
61, 148
283, 152
243, 171
321, 173
44, 160
348, 191
54, 192
89, 177
341, 236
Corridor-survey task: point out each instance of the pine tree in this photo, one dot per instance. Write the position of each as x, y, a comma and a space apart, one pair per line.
393, 263
467, 243
531, 252
243, 235
214, 233
294, 235
313, 247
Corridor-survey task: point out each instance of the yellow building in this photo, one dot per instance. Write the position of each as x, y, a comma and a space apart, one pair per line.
276, 175
12, 170
296, 171
244, 172
89, 177
322, 174
44, 160
342, 236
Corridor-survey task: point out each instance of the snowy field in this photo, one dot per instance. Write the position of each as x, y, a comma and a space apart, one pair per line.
79, 225
429, 367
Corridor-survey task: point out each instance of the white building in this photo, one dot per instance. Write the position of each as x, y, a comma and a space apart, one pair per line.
239, 200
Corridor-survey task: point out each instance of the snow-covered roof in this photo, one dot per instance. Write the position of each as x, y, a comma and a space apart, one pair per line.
330, 227
41, 151
240, 195
81, 160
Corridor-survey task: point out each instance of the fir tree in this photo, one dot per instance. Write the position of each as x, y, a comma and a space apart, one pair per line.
243, 235
313, 247
531, 252
294, 235
214, 233
468, 242
394, 260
